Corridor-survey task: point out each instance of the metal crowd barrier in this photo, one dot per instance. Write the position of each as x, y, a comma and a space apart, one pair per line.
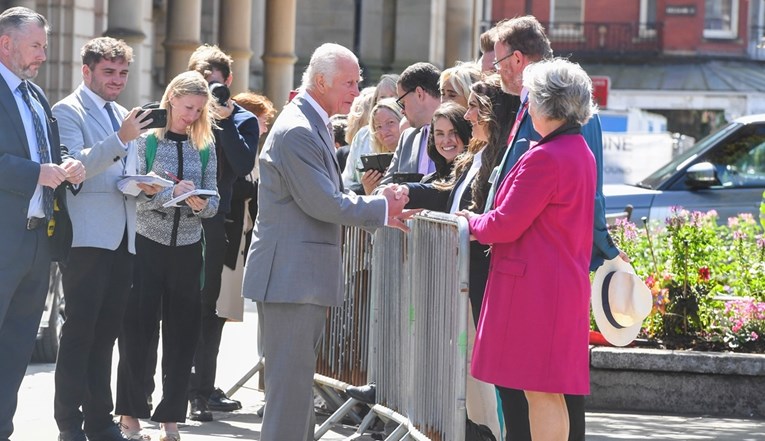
342, 353
419, 326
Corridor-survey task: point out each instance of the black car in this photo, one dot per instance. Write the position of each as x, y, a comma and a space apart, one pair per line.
724, 171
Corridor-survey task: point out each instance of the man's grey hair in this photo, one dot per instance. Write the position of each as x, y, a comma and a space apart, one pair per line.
560, 89
14, 19
325, 61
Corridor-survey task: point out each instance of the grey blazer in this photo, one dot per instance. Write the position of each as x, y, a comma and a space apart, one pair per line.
99, 211
407, 155
295, 255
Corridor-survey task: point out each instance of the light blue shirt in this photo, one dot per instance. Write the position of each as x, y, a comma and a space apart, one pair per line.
101, 104
36, 203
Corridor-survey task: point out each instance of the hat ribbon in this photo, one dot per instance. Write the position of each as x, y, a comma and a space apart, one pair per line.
606, 305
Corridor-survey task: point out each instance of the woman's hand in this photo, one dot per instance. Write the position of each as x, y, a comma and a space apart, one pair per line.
370, 180
196, 203
183, 187
467, 214
150, 190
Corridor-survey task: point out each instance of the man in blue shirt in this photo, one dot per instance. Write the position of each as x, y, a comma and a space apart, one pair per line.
520, 42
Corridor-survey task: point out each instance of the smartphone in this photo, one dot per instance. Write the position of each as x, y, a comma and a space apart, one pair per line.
401, 178
158, 117
376, 161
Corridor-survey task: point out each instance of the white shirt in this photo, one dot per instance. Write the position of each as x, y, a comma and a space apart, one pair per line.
460, 190
36, 203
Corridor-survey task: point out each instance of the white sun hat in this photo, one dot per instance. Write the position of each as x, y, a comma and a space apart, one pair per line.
620, 301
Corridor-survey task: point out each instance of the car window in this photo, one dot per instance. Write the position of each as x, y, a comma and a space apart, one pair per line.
740, 161
668, 171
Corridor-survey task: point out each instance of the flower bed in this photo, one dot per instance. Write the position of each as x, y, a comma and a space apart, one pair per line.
707, 280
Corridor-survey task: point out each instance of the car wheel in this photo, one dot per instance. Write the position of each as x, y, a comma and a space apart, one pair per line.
46, 347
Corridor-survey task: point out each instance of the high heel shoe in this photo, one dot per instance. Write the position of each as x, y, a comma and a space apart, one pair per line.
169, 436
132, 435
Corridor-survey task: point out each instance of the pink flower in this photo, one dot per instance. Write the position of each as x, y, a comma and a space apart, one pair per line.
753, 336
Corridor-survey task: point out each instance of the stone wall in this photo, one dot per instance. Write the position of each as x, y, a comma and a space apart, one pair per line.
679, 382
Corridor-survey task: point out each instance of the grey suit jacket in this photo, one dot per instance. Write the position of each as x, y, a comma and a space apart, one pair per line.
406, 158
295, 255
99, 211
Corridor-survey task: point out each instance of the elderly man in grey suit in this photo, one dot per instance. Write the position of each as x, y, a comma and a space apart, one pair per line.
294, 264
99, 274
418, 97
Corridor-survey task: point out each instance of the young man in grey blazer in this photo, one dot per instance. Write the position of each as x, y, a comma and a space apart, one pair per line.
99, 274
294, 265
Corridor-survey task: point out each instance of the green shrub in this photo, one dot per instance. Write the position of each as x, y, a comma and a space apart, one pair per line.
707, 280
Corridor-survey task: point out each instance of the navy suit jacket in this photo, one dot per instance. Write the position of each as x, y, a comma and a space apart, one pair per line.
19, 175
236, 144
602, 245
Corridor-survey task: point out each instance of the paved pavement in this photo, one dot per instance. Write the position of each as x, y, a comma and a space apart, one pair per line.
34, 418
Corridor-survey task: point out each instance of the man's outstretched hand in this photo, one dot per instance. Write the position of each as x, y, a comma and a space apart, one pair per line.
398, 197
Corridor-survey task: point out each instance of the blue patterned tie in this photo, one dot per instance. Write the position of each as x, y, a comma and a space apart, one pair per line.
42, 147
110, 111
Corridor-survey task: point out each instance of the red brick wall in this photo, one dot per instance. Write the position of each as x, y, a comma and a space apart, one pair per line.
681, 34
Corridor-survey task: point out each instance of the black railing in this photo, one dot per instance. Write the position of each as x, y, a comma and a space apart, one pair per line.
587, 39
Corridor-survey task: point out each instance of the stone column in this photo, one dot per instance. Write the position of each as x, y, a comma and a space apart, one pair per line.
29, 4
184, 25
257, 43
461, 37
234, 34
126, 23
279, 57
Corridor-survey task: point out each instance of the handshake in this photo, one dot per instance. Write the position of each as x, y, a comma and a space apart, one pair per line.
397, 197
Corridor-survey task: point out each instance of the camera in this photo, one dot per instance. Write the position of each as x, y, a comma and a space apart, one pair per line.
221, 93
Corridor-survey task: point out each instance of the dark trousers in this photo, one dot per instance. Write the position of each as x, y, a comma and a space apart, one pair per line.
23, 288
169, 282
202, 382
516, 411
96, 284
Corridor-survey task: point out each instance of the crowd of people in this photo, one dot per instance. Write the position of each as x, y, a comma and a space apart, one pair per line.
512, 142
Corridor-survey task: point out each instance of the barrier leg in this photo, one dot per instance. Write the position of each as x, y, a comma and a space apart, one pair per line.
335, 418
242, 381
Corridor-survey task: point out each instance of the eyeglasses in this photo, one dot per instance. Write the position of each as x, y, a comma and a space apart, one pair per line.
399, 100
496, 62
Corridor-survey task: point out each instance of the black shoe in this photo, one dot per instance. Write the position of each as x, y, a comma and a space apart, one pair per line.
199, 410
111, 433
72, 435
365, 394
220, 402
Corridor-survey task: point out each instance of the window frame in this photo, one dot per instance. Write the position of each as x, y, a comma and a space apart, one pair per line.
729, 34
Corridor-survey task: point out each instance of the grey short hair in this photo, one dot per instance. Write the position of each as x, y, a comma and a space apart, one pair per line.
560, 89
13, 19
324, 61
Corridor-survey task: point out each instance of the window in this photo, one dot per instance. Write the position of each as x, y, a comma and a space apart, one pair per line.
721, 18
566, 17
740, 162
647, 18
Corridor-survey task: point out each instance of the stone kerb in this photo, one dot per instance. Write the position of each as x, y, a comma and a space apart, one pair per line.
679, 382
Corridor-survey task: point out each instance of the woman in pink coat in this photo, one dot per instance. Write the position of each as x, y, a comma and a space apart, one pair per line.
533, 330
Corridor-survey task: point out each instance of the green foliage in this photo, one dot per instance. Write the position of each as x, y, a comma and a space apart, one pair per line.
707, 280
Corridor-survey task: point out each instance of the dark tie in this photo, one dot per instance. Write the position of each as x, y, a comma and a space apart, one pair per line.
42, 147
110, 111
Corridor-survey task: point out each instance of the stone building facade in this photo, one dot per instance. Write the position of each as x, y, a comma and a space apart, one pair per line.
270, 40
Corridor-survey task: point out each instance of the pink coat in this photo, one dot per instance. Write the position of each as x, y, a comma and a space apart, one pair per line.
534, 325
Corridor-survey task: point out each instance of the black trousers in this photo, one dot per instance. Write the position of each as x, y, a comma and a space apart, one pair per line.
169, 284
23, 288
516, 411
202, 382
96, 286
